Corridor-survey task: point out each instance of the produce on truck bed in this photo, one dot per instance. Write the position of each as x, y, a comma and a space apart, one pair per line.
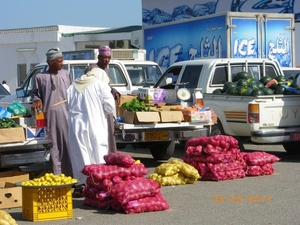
245, 85
8, 123
135, 106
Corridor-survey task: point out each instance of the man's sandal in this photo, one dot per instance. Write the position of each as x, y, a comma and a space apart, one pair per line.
77, 193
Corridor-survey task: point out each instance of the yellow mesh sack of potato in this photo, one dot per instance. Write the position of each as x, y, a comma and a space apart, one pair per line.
175, 179
168, 169
186, 169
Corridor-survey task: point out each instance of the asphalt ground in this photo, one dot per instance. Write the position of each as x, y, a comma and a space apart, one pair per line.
208, 202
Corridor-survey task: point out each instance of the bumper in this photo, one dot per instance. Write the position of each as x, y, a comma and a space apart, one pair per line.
275, 135
135, 133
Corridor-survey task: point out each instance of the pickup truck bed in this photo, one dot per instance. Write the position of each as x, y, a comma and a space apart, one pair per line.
264, 119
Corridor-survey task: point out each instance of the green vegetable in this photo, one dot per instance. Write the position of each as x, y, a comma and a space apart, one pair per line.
135, 106
8, 123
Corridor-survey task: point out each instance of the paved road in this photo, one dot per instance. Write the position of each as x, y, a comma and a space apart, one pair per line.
200, 203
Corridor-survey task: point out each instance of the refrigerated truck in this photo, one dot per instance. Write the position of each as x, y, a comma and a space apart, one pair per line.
223, 35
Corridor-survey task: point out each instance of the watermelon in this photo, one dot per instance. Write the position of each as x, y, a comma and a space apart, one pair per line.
250, 80
254, 84
218, 91
260, 85
265, 79
230, 91
238, 90
246, 91
272, 84
280, 79
240, 75
257, 92
228, 85
268, 91
242, 82
279, 89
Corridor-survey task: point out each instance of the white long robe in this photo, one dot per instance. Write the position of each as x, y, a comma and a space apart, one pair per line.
88, 135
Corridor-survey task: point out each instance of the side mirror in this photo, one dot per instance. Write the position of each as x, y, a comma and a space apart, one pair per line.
169, 80
20, 93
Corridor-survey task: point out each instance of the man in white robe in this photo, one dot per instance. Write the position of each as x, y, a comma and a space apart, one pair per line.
89, 102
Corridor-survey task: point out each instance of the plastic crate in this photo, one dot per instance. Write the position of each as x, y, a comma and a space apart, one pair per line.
47, 203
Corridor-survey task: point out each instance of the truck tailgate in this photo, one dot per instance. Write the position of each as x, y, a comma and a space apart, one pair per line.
280, 111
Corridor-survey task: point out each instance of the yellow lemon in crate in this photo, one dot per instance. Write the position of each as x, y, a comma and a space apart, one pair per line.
50, 179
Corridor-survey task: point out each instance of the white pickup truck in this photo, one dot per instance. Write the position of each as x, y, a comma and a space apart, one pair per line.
265, 119
126, 76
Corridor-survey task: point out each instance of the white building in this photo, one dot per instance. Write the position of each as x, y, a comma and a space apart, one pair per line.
20, 49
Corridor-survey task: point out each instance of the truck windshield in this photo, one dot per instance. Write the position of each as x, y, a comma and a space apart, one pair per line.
116, 76
143, 75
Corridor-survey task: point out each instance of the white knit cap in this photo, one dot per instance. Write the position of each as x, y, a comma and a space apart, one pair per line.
53, 53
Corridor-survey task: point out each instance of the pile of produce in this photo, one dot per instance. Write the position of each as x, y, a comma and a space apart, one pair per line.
243, 84
259, 163
216, 157
120, 185
135, 106
8, 123
50, 179
219, 158
175, 173
6, 219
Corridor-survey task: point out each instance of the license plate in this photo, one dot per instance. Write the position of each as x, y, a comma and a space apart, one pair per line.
296, 136
151, 136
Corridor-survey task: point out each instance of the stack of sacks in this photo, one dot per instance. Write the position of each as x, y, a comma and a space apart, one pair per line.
175, 173
120, 185
216, 158
259, 163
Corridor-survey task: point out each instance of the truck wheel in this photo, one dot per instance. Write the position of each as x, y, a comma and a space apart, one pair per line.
241, 145
163, 150
291, 147
216, 129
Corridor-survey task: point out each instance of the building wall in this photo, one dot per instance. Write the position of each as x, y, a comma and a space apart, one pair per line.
28, 46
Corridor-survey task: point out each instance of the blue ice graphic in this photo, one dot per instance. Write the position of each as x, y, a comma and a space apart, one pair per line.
157, 16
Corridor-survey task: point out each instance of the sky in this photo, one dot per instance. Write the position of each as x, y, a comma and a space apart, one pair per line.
88, 13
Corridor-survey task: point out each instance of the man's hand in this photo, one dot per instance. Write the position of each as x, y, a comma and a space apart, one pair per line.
117, 97
37, 105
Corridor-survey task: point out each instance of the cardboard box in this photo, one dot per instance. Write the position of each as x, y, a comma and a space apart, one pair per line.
123, 98
120, 110
197, 116
10, 195
171, 116
9, 135
13, 176
23, 121
126, 98
152, 95
141, 117
35, 133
